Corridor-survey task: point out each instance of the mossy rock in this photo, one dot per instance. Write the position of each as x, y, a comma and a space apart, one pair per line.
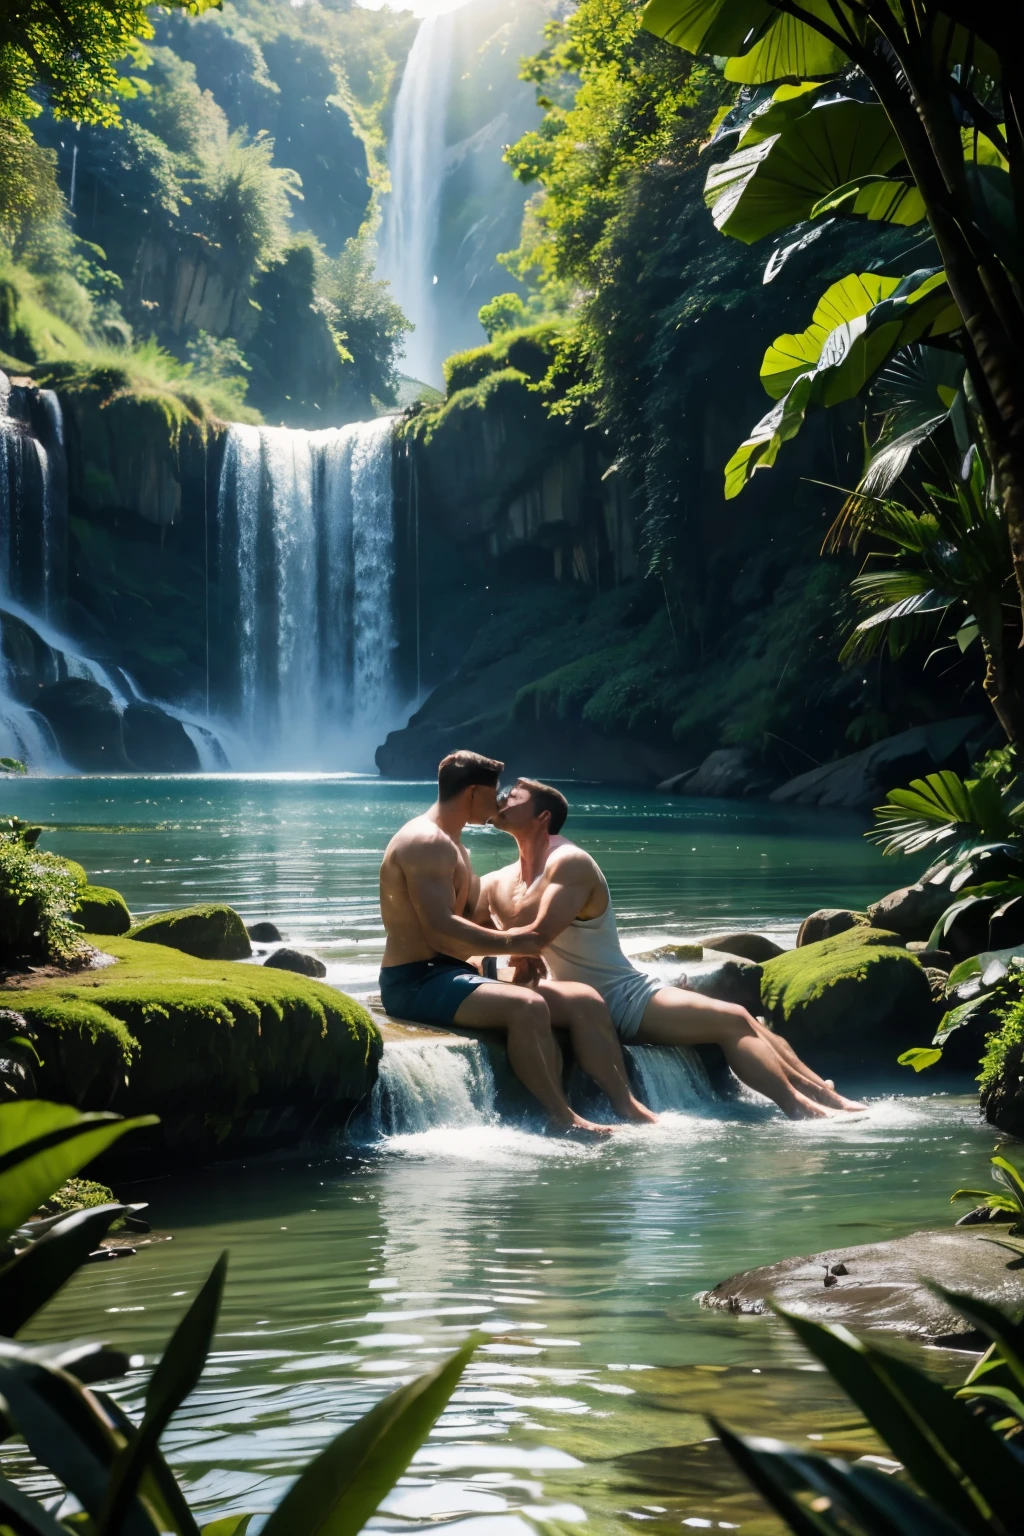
233, 1058
212, 931
101, 910
856, 999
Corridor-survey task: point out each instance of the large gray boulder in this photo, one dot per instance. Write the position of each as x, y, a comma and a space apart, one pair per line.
826, 923
912, 911
865, 777
727, 978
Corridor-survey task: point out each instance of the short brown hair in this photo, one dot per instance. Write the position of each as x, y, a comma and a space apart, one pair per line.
460, 770
545, 798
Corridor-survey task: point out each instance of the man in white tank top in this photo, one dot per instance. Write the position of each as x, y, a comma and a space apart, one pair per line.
560, 893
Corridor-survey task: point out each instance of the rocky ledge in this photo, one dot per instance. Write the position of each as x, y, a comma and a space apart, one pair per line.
883, 1286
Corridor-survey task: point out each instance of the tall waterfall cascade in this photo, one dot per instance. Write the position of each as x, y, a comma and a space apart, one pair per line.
411, 213
305, 524
33, 539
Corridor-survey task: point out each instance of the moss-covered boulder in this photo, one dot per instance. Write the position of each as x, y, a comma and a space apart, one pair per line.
232, 1058
1002, 1073
211, 931
101, 910
857, 999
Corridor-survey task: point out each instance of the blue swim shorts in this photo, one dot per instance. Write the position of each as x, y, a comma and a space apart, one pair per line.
428, 991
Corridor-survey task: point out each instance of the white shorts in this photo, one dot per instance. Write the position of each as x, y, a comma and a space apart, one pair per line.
627, 997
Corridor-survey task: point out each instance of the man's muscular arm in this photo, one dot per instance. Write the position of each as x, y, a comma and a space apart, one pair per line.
568, 883
429, 869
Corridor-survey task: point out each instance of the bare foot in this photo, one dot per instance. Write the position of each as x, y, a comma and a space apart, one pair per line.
632, 1109
577, 1123
801, 1108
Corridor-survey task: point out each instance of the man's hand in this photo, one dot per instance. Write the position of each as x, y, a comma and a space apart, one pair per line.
527, 970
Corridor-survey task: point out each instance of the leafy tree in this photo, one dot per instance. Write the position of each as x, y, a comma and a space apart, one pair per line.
503, 313
897, 111
73, 51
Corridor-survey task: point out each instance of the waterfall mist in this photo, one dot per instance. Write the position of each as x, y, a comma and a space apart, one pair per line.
416, 157
307, 559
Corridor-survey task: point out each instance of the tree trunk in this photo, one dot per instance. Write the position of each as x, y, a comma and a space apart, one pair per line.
1000, 684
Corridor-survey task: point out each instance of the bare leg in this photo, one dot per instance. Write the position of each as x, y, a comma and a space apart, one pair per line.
532, 1050
807, 1080
595, 1044
674, 1017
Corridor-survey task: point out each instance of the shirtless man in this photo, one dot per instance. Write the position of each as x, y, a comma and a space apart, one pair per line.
426, 884
558, 895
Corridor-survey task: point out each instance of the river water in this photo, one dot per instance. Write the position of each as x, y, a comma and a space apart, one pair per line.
579, 1265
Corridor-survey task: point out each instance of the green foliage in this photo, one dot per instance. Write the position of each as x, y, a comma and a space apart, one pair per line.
505, 312
74, 50
1010, 1201
1001, 1044
959, 1449
941, 808
38, 896
12, 765
113, 1467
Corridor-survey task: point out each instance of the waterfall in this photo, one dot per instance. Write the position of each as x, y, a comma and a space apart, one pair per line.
411, 214
669, 1077
422, 1085
429, 1085
307, 559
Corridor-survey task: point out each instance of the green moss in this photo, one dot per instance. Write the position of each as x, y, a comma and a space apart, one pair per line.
101, 910
803, 975
179, 1036
38, 893
528, 350
210, 931
856, 998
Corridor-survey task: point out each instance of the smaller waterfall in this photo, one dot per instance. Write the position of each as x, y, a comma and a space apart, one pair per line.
425, 1085
670, 1077
411, 214
307, 559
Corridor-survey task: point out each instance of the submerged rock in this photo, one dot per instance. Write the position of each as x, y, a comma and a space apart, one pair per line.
295, 960
880, 1285
748, 946
857, 998
826, 923
264, 933
101, 910
212, 931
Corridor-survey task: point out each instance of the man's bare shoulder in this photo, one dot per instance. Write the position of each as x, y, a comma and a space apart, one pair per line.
568, 861
422, 842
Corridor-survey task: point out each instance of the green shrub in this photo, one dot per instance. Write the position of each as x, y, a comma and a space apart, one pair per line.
528, 350
38, 894
999, 1045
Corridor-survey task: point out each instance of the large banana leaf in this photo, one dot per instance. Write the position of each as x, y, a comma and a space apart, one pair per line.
43, 1145
773, 46
768, 186
844, 301
840, 363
